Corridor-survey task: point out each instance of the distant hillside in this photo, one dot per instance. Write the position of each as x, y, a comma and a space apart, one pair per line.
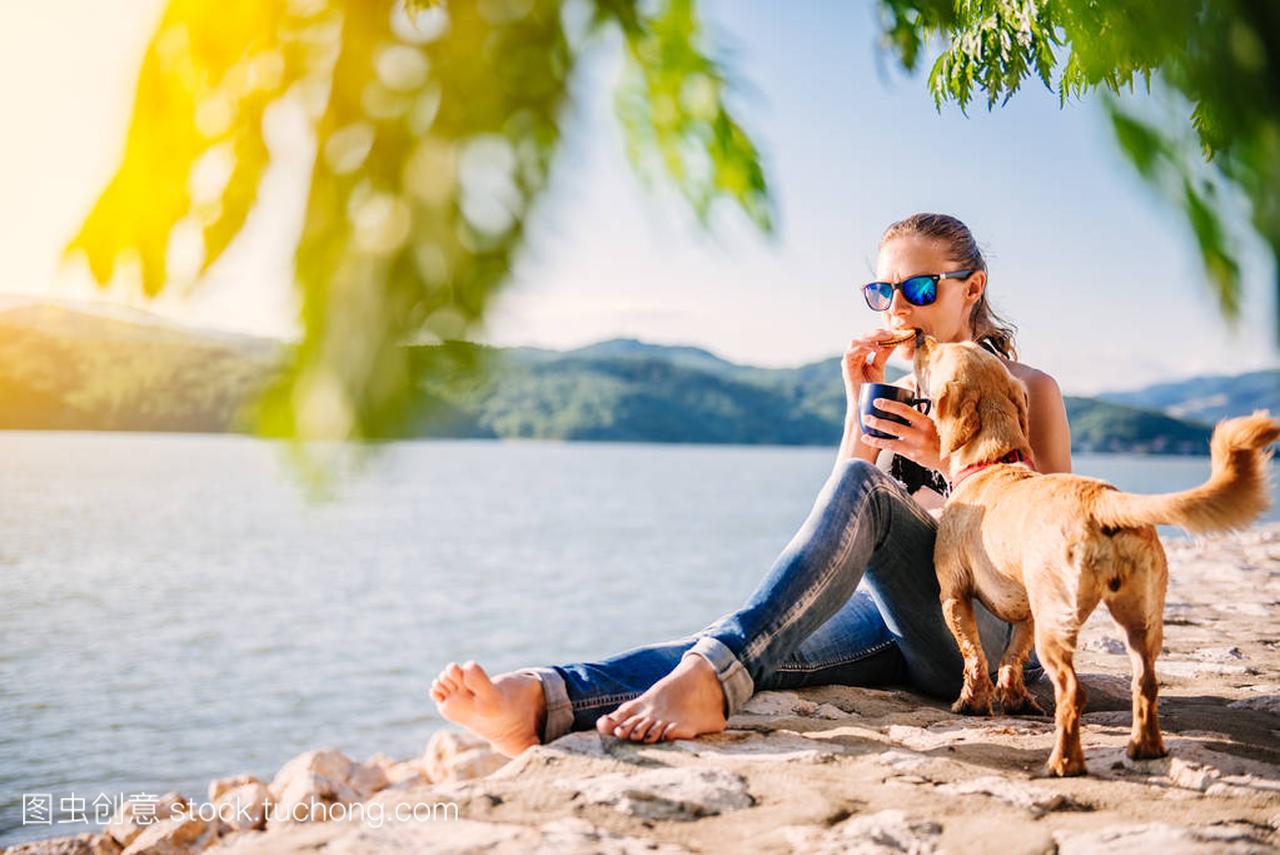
1103, 426
617, 392
61, 368
1192, 401
65, 369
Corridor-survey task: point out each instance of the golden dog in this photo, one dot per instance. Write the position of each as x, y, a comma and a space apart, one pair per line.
1041, 551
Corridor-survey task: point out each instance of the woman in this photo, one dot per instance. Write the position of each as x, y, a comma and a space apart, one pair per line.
853, 598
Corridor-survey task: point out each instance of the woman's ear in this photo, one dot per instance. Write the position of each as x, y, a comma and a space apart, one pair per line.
977, 285
957, 418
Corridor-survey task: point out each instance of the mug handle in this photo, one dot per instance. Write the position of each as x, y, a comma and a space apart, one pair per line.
928, 405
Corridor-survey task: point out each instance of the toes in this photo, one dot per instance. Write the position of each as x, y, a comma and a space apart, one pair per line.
675, 730
450, 678
623, 731
642, 727
475, 679
606, 724
656, 730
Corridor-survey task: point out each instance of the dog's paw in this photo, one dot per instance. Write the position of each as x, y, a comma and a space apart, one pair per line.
1065, 767
1145, 750
969, 705
1022, 704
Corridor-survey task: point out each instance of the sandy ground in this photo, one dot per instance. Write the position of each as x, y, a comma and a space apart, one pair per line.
841, 769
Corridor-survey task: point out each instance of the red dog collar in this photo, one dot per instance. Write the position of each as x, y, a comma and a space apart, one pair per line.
1014, 456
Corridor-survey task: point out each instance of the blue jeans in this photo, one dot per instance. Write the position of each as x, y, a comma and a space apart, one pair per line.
852, 600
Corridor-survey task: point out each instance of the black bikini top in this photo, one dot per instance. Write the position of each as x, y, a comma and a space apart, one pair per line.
912, 475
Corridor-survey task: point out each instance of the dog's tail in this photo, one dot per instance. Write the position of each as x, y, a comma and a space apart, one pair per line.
1235, 494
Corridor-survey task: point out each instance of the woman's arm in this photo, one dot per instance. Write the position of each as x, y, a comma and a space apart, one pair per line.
852, 446
1050, 434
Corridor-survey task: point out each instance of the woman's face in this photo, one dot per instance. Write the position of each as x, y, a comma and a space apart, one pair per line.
946, 318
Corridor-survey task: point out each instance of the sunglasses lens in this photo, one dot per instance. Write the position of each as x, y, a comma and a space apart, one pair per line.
879, 295
920, 290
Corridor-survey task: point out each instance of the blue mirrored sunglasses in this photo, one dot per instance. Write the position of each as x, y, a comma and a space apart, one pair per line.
917, 290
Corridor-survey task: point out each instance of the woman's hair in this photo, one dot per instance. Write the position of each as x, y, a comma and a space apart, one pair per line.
986, 324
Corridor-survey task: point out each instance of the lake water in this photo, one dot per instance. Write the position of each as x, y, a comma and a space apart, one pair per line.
173, 609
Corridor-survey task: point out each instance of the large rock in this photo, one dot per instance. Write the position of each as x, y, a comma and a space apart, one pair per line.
322, 762
135, 815
310, 797
453, 755
1238, 839
79, 844
308, 786
1037, 800
244, 808
218, 786
367, 780
780, 704
666, 793
406, 774
888, 832
179, 835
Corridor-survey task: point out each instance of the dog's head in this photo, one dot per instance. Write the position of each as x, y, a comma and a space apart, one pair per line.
979, 408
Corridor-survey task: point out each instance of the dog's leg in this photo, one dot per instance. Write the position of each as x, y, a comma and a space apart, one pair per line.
1056, 652
975, 697
1145, 743
1011, 692
1144, 640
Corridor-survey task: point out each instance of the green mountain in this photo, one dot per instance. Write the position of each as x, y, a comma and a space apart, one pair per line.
68, 368
615, 393
1098, 425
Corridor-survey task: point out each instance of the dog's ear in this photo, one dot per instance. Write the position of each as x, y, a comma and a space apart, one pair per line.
1021, 405
958, 421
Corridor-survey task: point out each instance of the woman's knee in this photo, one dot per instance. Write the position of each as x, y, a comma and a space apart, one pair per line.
855, 473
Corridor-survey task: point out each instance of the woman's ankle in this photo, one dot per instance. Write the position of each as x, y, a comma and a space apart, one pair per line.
540, 701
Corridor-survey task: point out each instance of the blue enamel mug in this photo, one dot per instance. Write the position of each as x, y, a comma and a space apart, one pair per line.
870, 391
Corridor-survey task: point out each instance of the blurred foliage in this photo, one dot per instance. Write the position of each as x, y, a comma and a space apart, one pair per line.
435, 125
671, 103
1209, 139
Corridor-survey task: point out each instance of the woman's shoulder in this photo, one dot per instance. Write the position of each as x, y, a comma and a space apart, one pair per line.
1039, 383
1035, 380
1021, 370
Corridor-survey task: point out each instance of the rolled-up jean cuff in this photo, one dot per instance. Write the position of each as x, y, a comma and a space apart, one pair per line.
734, 679
559, 718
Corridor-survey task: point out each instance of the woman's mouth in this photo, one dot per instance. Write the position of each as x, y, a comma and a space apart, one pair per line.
904, 335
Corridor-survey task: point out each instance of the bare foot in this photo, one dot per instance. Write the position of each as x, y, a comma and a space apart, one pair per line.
685, 703
507, 710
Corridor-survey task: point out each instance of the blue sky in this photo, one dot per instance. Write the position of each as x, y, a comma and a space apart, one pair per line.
1102, 282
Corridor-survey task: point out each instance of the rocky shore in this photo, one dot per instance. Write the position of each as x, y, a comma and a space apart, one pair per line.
833, 769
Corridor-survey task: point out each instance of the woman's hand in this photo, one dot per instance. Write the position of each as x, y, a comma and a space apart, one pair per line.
918, 440
857, 369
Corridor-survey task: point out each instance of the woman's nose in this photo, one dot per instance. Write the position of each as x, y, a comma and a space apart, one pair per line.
899, 303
